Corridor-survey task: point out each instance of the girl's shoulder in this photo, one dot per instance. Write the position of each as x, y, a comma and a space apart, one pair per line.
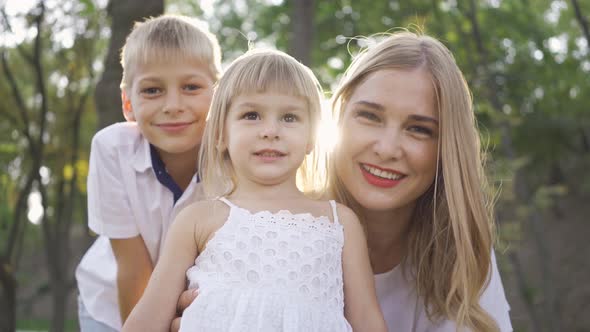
210, 208
335, 210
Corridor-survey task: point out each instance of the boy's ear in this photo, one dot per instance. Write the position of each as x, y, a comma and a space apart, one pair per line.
127, 109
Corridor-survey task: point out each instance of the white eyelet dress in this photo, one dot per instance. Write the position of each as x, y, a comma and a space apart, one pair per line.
269, 272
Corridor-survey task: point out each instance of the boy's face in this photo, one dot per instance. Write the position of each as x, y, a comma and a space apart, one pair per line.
169, 101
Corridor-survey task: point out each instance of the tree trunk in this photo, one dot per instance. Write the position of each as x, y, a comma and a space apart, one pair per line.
7, 297
59, 295
302, 34
123, 15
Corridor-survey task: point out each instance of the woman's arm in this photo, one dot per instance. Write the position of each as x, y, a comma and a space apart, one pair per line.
361, 307
134, 268
156, 308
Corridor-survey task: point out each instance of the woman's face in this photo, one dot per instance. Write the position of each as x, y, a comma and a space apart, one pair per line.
389, 137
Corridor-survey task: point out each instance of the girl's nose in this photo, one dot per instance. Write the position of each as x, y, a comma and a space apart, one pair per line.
269, 130
389, 144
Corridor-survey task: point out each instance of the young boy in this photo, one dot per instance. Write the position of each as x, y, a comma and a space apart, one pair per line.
143, 172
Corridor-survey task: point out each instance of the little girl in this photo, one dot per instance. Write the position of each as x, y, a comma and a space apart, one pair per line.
264, 256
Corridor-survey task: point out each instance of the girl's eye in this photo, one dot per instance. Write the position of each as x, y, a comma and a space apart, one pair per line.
151, 91
251, 116
368, 116
192, 87
290, 117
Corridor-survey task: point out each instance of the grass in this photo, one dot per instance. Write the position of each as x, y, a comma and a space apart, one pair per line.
42, 325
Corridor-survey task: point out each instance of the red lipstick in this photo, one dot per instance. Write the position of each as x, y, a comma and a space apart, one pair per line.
379, 181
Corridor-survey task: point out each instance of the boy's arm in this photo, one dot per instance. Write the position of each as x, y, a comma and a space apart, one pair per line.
134, 268
109, 208
156, 308
110, 213
361, 307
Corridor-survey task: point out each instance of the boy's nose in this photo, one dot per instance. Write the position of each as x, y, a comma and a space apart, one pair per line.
172, 103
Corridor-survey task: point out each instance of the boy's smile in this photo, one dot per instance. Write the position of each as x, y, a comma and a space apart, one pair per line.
169, 100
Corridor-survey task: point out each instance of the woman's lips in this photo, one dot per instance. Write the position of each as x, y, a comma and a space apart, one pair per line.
380, 177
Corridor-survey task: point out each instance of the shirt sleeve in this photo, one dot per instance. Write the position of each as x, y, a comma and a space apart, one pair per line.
493, 299
109, 209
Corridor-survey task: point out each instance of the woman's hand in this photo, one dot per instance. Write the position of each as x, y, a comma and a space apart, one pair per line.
186, 298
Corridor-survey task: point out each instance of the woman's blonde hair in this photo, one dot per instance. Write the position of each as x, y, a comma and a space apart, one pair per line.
451, 233
169, 37
259, 71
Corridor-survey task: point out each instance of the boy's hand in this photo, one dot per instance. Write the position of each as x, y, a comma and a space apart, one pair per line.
186, 298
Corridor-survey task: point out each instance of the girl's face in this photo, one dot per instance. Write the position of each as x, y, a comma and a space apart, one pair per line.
387, 156
267, 136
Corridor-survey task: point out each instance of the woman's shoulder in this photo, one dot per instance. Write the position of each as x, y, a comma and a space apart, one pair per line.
493, 298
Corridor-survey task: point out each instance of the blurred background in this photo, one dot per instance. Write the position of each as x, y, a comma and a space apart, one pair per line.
527, 62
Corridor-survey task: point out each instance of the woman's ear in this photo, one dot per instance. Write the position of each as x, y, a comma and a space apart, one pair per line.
221, 146
127, 109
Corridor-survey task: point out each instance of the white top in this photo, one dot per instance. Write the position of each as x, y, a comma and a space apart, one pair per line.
125, 199
269, 272
397, 298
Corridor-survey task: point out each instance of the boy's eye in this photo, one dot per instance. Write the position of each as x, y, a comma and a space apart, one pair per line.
290, 117
251, 116
150, 90
368, 116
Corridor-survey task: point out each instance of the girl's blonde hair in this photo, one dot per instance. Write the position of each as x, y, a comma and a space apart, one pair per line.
451, 231
167, 38
259, 71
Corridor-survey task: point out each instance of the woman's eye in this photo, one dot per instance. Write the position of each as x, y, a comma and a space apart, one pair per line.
368, 116
290, 118
251, 116
421, 130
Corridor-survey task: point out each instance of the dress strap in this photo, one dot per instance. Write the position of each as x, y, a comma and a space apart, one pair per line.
334, 213
226, 201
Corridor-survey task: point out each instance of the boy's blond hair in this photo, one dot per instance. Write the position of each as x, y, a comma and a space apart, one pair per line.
258, 71
169, 38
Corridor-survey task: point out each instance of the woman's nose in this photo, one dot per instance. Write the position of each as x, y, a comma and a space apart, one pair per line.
389, 144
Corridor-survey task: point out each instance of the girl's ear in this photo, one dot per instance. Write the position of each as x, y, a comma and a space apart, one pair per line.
310, 145
127, 109
309, 148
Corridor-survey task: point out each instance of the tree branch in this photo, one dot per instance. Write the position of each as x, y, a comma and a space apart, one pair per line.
18, 98
582, 21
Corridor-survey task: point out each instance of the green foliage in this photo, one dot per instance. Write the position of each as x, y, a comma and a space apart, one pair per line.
528, 69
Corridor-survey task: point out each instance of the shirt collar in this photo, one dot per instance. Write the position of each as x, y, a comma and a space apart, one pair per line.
142, 159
